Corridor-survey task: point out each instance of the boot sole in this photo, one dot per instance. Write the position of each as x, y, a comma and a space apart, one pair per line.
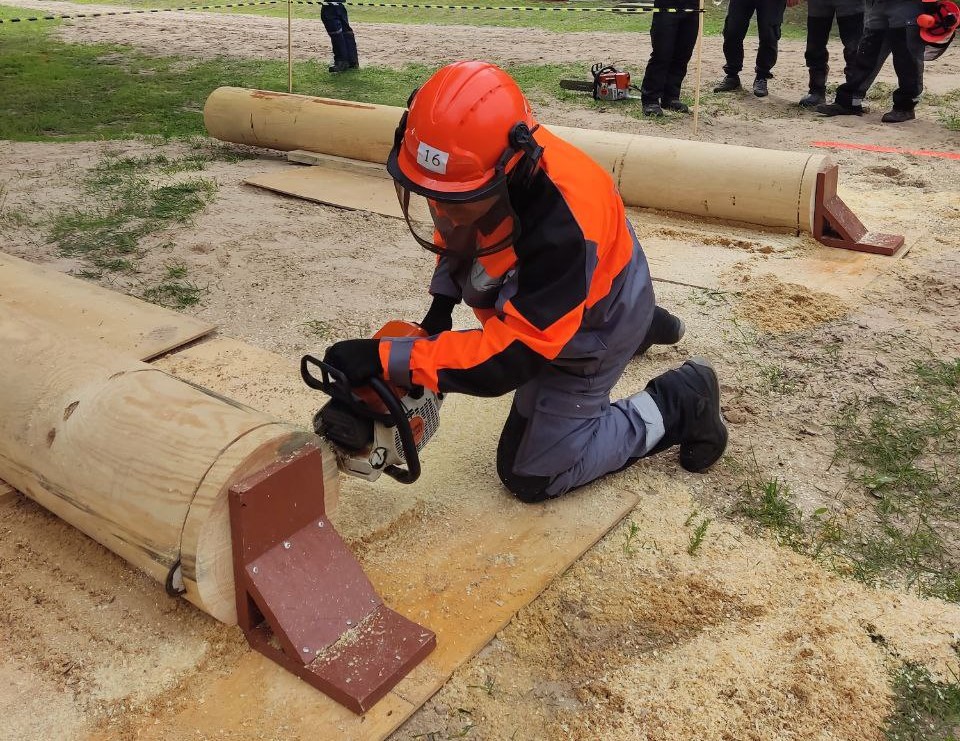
719, 421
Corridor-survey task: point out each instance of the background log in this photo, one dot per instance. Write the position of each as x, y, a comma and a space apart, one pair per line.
758, 186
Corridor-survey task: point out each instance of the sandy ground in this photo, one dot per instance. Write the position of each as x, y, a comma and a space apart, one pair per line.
743, 641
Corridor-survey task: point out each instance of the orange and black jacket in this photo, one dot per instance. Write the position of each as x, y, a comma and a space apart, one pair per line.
539, 302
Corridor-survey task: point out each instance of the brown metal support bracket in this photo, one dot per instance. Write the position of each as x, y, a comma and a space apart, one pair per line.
835, 225
303, 599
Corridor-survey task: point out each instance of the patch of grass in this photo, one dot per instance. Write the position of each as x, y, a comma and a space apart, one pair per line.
926, 709
902, 450
767, 502
127, 206
488, 686
320, 328
629, 547
698, 534
777, 379
174, 291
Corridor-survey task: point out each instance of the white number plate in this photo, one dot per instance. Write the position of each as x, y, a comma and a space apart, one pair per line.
432, 159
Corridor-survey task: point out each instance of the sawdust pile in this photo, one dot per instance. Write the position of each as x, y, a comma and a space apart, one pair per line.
777, 307
743, 641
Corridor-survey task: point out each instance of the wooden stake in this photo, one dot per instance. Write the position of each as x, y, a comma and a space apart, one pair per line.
290, 45
696, 93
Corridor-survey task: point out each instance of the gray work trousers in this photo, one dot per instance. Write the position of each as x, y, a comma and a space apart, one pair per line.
563, 431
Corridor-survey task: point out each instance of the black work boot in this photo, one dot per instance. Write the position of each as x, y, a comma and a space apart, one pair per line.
339, 65
728, 84
689, 401
652, 109
760, 87
839, 109
818, 89
665, 329
675, 105
898, 116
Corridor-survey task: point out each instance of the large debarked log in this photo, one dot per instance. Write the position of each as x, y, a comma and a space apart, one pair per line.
767, 187
138, 460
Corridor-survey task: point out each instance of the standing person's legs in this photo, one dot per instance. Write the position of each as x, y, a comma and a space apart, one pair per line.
350, 39
334, 18
685, 40
850, 28
871, 52
663, 31
907, 49
819, 24
769, 23
735, 27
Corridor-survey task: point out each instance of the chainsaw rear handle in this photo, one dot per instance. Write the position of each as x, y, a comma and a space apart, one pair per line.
333, 382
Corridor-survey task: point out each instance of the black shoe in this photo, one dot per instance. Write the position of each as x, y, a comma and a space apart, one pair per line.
838, 109
340, 65
812, 100
652, 109
676, 105
728, 84
760, 87
689, 401
665, 329
898, 116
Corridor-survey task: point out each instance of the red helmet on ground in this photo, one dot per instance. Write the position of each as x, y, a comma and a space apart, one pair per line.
466, 130
935, 28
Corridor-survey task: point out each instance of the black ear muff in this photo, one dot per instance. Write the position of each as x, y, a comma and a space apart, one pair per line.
521, 139
401, 129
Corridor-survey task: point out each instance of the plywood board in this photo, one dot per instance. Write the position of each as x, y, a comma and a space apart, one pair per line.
454, 552
333, 187
88, 311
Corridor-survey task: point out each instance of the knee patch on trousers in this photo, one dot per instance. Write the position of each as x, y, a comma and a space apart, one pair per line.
529, 489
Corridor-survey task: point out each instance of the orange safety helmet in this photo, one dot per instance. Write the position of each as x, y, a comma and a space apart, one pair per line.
457, 146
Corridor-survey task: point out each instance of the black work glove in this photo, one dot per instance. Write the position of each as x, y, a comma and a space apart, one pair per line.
358, 359
439, 318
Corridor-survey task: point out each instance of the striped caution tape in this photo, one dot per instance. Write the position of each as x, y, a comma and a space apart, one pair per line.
626, 9
143, 11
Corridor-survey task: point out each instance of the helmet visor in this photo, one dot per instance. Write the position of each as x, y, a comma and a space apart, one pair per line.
464, 228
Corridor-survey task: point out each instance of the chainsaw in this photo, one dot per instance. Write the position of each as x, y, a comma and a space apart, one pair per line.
609, 83
377, 428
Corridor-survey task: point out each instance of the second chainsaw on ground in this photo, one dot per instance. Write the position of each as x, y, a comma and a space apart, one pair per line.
609, 83
376, 428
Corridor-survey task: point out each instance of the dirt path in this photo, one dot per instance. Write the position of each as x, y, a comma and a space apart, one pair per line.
745, 640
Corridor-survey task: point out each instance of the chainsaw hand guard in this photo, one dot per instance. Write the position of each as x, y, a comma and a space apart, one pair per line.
334, 384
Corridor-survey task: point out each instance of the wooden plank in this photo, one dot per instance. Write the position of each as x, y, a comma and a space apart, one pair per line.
8, 495
88, 312
455, 553
333, 162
